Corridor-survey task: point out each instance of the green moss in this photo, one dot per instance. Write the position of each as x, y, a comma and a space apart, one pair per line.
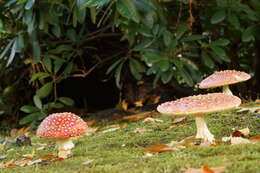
120, 151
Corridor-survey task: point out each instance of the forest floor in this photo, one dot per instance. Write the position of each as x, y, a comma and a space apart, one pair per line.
133, 146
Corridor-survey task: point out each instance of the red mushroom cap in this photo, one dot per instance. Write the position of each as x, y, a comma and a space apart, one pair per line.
200, 104
61, 126
223, 78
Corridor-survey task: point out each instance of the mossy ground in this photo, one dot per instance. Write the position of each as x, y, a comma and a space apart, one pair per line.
120, 151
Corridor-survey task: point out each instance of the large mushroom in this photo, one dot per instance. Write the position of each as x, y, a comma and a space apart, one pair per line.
198, 106
62, 127
223, 79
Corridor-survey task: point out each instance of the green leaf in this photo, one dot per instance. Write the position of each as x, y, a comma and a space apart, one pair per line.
233, 20
248, 34
164, 64
167, 76
220, 53
13, 52
180, 31
167, 38
136, 68
81, 15
29, 4
113, 66
220, 42
29, 109
186, 76
6, 49
56, 30
45, 90
36, 51
68, 68
127, 9
32, 117
118, 74
218, 17
207, 61
57, 65
66, 101
37, 101
39, 75
47, 63
93, 14
192, 38
53, 105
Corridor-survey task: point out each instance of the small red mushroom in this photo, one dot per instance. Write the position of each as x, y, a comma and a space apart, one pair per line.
62, 127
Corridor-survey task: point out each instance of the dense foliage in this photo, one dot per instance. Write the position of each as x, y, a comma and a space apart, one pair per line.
183, 39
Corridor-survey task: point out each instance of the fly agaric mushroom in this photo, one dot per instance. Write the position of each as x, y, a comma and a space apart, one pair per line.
62, 127
198, 106
224, 78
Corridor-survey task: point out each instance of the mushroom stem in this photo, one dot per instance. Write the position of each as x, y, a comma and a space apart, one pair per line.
202, 130
64, 147
226, 90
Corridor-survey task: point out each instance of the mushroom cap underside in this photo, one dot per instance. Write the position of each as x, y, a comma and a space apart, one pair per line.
61, 126
200, 104
223, 78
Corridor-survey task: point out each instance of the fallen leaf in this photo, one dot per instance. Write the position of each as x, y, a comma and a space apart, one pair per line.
91, 122
158, 147
57, 159
23, 162
255, 109
4, 156
236, 134
152, 120
206, 169
110, 130
138, 103
46, 156
245, 131
178, 120
255, 138
40, 148
147, 155
174, 127
32, 162
138, 116
124, 105
257, 100
87, 162
91, 130
239, 140
10, 164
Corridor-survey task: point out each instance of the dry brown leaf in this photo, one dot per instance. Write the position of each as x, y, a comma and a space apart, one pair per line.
23, 162
173, 127
57, 159
91, 130
206, 169
138, 103
255, 109
178, 120
255, 138
32, 162
239, 140
158, 147
40, 148
152, 120
124, 105
245, 131
91, 122
257, 100
46, 156
22, 131
138, 116
10, 164
87, 162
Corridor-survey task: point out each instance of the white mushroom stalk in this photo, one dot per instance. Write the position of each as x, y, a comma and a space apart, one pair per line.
202, 130
226, 90
64, 148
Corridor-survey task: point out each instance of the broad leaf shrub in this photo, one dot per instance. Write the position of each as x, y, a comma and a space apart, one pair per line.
181, 39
